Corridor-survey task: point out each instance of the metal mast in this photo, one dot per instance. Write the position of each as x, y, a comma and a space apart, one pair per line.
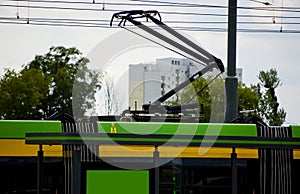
231, 82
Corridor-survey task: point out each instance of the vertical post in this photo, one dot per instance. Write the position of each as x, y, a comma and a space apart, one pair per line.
40, 170
156, 172
231, 82
76, 171
233, 171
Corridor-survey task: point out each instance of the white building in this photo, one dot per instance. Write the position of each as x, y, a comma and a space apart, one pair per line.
149, 81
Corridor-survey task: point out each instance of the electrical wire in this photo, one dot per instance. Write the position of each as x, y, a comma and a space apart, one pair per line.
70, 22
93, 3
99, 26
106, 22
166, 4
163, 12
166, 21
281, 9
196, 5
60, 8
105, 25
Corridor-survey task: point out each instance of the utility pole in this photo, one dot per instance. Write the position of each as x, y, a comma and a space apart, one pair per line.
231, 81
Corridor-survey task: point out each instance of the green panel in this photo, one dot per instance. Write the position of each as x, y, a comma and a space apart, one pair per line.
117, 182
180, 128
295, 130
18, 128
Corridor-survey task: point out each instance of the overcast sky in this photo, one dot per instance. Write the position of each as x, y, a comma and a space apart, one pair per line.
255, 51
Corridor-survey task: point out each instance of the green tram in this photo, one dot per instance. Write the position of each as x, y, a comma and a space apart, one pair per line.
117, 157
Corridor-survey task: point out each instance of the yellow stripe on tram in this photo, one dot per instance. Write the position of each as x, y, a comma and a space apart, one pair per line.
17, 147
125, 151
204, 152
174, 151
296, 153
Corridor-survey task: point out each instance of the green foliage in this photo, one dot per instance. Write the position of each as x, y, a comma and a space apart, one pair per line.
213, 97
196, 93
86, 84
268, 102
45, 85
269, 79
260, 98
217, 93
247, 98
21, 94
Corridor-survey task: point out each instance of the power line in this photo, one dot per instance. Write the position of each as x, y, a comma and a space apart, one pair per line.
104, 25
162, 3
60, 8
65, 5
59, 25
92, 3
162, 12
58, 19
195, 5
105, 21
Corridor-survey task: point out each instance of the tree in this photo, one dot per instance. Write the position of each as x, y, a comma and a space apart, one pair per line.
110, 101
268, 102
53, 78
196, 92
212, 98
247, 98
260, 98
217, 93
21, 94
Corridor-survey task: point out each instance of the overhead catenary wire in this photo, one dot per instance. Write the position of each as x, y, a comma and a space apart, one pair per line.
213, 25
163, 12
89, 3
196, 5
59, 24
104, 25
165, 4
106, 22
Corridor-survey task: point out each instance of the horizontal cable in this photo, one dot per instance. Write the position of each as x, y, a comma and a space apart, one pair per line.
57, 24
167, 21
77, 24
164, 4
196, 5
182, 13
